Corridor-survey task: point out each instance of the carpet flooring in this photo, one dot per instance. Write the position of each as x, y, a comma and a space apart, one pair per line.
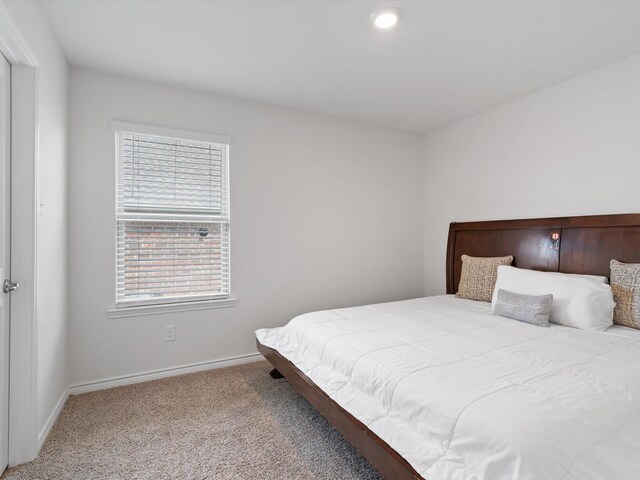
231, 423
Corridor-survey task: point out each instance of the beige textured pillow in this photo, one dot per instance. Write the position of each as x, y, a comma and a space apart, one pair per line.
625, 284
479, 275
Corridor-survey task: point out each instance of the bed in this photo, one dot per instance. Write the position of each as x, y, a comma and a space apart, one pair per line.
439, 388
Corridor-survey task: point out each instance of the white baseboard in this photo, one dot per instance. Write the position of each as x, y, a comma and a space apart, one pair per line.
163, 373
44, 433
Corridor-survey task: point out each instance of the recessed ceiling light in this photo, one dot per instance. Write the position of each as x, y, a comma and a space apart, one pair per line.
385, 18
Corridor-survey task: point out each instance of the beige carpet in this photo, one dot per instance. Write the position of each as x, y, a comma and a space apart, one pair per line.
232, 423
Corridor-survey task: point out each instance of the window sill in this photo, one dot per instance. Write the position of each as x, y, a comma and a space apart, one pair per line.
169, 308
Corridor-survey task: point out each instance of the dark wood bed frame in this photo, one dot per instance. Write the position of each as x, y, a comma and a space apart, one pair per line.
564, 244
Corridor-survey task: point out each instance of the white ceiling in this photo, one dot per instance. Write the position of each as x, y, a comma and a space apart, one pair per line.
446, 60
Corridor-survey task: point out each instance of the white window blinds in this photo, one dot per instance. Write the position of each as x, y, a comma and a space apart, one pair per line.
172, 218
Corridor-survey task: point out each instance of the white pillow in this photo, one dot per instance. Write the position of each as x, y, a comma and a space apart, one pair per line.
580, 301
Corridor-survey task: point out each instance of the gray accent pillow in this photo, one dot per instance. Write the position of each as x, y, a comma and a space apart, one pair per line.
532, 309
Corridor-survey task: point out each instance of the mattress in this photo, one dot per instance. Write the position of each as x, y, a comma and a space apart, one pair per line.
463, 394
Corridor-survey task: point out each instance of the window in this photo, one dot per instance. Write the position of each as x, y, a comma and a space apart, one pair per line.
172, 216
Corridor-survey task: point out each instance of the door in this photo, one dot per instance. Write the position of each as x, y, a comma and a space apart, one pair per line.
5, 236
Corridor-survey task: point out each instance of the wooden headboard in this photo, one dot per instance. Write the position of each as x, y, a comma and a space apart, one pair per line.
583, 245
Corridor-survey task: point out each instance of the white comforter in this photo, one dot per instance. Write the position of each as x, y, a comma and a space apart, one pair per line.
463, 394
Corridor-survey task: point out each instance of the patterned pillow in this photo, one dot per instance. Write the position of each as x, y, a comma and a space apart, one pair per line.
479, 275
625, 283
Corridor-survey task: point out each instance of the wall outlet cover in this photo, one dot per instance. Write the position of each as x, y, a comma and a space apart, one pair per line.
170, 333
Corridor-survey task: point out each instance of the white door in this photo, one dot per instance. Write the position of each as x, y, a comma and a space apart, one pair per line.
5, 270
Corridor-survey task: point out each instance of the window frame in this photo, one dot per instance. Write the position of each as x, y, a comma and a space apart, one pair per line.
152, 306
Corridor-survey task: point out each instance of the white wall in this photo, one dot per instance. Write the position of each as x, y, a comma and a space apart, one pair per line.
52, 320
572, 149
325, 213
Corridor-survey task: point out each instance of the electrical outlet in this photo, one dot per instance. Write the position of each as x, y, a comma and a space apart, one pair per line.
170, 333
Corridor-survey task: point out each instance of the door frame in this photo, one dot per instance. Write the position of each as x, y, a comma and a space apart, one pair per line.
23, 435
